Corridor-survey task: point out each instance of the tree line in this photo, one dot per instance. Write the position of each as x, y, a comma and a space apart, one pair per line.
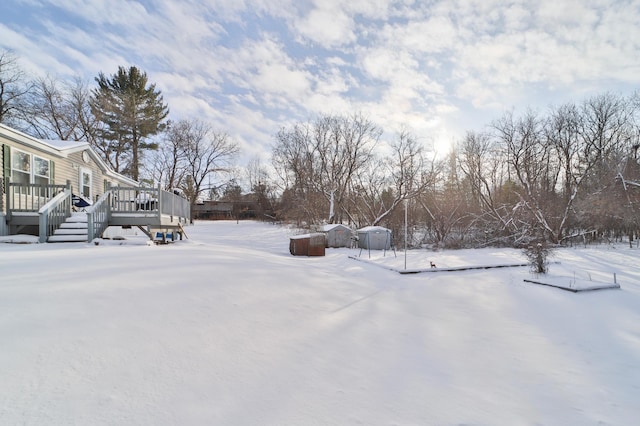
566, 174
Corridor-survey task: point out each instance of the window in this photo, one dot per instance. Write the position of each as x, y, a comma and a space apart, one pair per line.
85, 183
27, 168
41, 171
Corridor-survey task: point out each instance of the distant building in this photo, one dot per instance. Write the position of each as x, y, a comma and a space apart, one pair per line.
374, 238
337, 235
225, 210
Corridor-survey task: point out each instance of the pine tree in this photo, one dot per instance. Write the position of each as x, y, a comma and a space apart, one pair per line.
131, 109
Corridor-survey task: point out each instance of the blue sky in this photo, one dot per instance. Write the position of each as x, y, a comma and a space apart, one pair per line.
435, 68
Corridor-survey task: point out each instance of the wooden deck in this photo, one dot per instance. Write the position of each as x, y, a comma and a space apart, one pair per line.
150, 209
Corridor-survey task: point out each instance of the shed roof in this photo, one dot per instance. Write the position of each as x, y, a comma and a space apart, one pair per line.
327, 228
374, 229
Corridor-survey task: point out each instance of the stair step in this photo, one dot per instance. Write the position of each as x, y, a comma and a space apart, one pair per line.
77, 218
71, 231
74, 225
67, 238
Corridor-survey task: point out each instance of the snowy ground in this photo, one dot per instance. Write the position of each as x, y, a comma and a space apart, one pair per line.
227, 328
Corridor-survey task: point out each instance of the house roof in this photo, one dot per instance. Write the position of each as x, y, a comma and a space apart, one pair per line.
23, 139
71, 146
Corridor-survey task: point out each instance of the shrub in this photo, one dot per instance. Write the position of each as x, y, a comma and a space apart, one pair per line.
537, 254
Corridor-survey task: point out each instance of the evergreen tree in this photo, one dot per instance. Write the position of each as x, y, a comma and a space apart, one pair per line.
131, 109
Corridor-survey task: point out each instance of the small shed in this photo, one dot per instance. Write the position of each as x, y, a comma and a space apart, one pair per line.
337, 235
374, 238
307, 245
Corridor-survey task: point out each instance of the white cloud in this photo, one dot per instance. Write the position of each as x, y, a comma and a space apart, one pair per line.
328, 27
250, 65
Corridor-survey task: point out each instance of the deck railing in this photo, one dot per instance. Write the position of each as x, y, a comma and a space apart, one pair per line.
52, 204
174, 205
149, 200
30, 197
129, 199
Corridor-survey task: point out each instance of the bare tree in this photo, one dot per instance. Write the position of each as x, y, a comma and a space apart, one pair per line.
492, 192
319, 161
261, 187
445, 205
342, 147
206, 153
14, 87
61, 110
404, 175
168, 164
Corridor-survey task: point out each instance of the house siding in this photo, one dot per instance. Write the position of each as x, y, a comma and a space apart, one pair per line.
71, 170
7, 147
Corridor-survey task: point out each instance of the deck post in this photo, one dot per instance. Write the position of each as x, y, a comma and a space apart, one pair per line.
160, 200
42, 227
91, 227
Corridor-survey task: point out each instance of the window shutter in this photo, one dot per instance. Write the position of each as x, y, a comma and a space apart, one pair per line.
52, 172
6, 155
6, 169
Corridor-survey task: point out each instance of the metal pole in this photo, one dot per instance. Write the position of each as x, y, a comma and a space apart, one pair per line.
405, 233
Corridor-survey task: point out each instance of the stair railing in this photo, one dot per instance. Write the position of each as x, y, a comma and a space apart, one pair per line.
53, 213
98, 216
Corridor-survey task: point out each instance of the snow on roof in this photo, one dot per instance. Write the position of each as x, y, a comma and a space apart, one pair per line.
302, 236
327, 228
373, 229
63, 145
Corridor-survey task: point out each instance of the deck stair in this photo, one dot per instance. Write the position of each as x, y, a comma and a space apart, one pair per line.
73, 230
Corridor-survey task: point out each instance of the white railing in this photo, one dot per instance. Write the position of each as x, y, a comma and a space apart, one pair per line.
149, 200
30, 197
53, 203
52, 214
98, 216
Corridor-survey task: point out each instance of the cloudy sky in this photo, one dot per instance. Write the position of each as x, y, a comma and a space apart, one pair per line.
249, 67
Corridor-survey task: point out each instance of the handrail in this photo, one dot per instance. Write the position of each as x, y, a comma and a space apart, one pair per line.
53, 214
98, 216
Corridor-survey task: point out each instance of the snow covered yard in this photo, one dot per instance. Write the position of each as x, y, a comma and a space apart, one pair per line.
228, 328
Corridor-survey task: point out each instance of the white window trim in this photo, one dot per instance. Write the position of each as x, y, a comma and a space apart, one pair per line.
83, 171
32, 165
15, 151
33, 168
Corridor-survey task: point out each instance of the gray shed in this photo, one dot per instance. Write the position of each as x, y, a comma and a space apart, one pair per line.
374, 238
337, 235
